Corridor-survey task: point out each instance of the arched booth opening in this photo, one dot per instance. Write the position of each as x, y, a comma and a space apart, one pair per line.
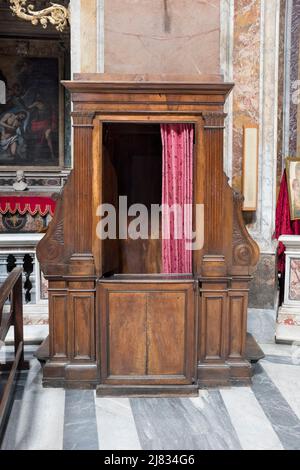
148, 310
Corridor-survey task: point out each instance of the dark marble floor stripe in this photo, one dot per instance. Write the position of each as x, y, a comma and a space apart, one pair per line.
80, 424
283, 419
286, 360
8, 441
19, 384
177, 424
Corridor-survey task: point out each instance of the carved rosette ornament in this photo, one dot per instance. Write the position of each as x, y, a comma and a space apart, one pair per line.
57, 15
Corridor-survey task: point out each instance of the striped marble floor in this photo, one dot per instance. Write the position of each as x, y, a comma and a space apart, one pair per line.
265, 416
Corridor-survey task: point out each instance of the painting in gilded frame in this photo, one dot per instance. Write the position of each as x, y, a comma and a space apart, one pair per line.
31, 120
293, 182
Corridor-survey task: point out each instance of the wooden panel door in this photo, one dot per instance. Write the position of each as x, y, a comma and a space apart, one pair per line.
126, 333
147, 333
166, 333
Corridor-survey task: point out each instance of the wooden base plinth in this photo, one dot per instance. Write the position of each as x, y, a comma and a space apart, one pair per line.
224, 375
209, 375
70, 376
68, 384
147, 391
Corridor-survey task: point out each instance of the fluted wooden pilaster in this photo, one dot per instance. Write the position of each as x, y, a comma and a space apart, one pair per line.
82, 212
214, 197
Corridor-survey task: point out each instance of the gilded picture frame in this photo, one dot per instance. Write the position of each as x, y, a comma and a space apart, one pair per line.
293, 183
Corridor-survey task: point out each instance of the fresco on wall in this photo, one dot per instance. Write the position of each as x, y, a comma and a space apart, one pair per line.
29, 121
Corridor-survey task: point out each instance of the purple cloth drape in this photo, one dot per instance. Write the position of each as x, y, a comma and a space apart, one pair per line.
177, 188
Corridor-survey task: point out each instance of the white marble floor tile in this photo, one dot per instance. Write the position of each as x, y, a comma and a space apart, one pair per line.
38, 421
116, 425
276, 349
287, 380
266, 416
253, 428
262, 324
284, 420
216, 425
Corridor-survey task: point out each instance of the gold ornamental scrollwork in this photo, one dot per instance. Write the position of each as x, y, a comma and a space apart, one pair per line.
57, 15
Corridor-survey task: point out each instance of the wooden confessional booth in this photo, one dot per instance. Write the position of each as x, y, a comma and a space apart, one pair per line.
117, 322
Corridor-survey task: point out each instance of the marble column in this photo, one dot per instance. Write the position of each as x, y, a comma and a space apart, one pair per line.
293, 32
281, 88
255, 62
263, 227
75, 36
256, 52
246, 76
100, 35
287, 81
87, 41
226, 66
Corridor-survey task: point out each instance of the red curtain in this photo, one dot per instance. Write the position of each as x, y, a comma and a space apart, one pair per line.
177, 189
284, 224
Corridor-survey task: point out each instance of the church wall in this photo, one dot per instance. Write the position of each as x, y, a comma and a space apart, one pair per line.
164, 36
255, 101
146, 36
